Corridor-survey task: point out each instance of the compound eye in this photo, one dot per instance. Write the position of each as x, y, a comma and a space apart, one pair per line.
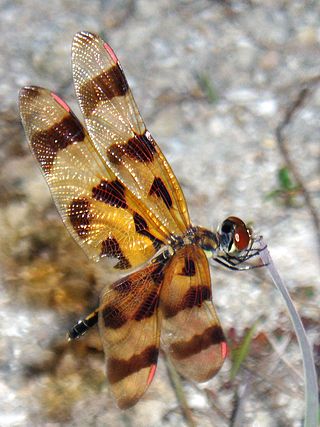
239, 234
241, 237
227, 226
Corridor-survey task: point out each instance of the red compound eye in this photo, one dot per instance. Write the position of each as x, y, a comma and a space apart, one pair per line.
241, 234
241, 238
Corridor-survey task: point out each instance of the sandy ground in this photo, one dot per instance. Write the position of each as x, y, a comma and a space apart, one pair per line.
213, 80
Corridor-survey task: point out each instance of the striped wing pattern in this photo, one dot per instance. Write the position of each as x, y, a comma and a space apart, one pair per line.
191, 331
119, 133
103, 216
129, 325
175, 297
119, 199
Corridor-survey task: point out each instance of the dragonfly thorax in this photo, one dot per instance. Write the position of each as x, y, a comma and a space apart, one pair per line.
231, 238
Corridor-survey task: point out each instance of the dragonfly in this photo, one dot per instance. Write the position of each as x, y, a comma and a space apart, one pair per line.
119, 199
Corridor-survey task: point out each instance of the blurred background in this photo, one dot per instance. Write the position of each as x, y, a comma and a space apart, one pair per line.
230, 91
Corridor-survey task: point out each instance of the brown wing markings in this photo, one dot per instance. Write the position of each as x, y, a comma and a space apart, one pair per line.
118, 369
110, 248
139, 147
120, 135
142, 228
92, 57
94, 204
140, 223
129, 326
114, 194
191, 331
159, 189
113, 317
125, 286
189, 268
46, 143
157, 274
55, 128
148, 305
103, 87
80, 216
111, 193
196, 295
134, 297
193, 297
198, 343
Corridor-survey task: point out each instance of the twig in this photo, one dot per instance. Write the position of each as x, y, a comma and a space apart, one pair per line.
213, 404
303, 94
240, 397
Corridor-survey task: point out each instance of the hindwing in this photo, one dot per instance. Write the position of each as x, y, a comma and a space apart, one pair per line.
191, 331
129, 325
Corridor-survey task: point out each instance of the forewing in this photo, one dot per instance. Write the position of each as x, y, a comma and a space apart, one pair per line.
129, 325
100, 213
191, 331
119, 134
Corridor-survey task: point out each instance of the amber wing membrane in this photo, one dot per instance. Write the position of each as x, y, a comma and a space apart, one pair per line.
129, 325
104, 217
191, 331
120, 136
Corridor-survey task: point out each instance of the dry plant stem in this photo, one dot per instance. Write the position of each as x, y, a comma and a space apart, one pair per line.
310, 378
177, 386
215, 408
297, 103
280, 350
242, 393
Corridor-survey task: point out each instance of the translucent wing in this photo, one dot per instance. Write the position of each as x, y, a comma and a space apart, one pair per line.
191, 331
104, 217
119, 134
130, 329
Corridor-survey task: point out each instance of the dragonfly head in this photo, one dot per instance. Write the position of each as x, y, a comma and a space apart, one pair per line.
234, 236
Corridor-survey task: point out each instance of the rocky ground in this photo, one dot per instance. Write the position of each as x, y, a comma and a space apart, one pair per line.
214, 80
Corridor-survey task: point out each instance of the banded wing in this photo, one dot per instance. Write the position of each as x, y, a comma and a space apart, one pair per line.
129, 325
191, 331
120, 136
104, 217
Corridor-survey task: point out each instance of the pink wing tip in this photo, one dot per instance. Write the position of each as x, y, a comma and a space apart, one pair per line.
60, 102
224, 349
151, 374
111, 52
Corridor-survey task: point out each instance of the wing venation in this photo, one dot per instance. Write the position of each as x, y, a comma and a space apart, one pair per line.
129, 322
119, 133
191, 331
103, 216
